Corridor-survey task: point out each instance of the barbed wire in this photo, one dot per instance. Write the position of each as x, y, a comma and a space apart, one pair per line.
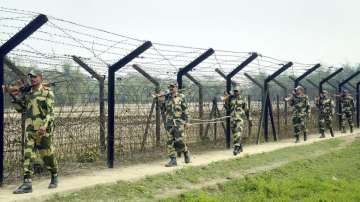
61, 39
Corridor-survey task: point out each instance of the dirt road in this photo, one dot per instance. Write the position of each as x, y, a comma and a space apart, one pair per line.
130, 173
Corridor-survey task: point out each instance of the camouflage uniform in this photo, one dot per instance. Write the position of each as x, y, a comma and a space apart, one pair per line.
301, 110
239, 111
347, 109
175, 109
37, 105
326, 112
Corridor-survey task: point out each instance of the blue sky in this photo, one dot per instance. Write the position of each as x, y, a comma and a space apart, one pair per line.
325, 31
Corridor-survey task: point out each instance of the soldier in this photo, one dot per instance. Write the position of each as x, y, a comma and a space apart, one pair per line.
301, 111
37, 104
239, 111
174, 106
347, 109
326, 111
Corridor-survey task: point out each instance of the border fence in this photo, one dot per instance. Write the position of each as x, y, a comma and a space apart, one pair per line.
103, 84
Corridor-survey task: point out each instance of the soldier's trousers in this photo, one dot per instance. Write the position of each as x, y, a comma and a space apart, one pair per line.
346, 115
175, 137
325, 121
237, 128
41, 145
299, 123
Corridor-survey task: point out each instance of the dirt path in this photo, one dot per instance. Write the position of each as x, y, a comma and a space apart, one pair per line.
131, 173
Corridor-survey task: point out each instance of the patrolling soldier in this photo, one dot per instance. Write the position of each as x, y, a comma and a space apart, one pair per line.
326, 112
174, 106
301, 112
37, 105
239, 111
347, 110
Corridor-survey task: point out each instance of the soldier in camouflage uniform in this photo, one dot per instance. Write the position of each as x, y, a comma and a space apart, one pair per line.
301, 112
326, 111
347, 110
37, 105
239, 111
176, 117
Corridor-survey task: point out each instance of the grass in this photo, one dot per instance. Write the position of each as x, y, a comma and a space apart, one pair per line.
152, 187
330, 177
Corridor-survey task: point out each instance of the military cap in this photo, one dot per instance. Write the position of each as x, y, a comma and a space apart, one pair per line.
35, 72
236, 88
299, 88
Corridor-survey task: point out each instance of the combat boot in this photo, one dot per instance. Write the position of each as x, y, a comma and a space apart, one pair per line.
172, 162
343, 130
187, 157
322, 134
351, 129
237, 150
26, 187
305, 136
332, 132
53, 182
297, 140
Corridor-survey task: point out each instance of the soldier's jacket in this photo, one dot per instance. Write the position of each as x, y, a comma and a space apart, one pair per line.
238, 108
301, 105
326, 106
175, 108
347, 103
37, 106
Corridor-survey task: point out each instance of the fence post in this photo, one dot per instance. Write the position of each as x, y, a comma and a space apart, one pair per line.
249, 107
233, 83
305, 74
341, 84
191, 65
312, 83
201, 102
326, 79
252, 57
111, 97
101, 80
14, 41
23, 77
358, 104
278, 113
157, 107
268, 107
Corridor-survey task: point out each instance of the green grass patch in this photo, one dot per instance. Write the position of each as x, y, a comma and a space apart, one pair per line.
149, 187
330, 177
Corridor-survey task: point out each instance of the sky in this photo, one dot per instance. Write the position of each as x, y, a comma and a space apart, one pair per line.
307, 31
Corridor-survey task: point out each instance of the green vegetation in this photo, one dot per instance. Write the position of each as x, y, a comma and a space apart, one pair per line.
154, 187
331, 177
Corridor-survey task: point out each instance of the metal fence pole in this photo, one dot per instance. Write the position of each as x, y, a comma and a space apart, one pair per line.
157, 107
14, 41
341, 84
111, 97
101, 80
252, 57
191, 65
201, 102
268, 102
